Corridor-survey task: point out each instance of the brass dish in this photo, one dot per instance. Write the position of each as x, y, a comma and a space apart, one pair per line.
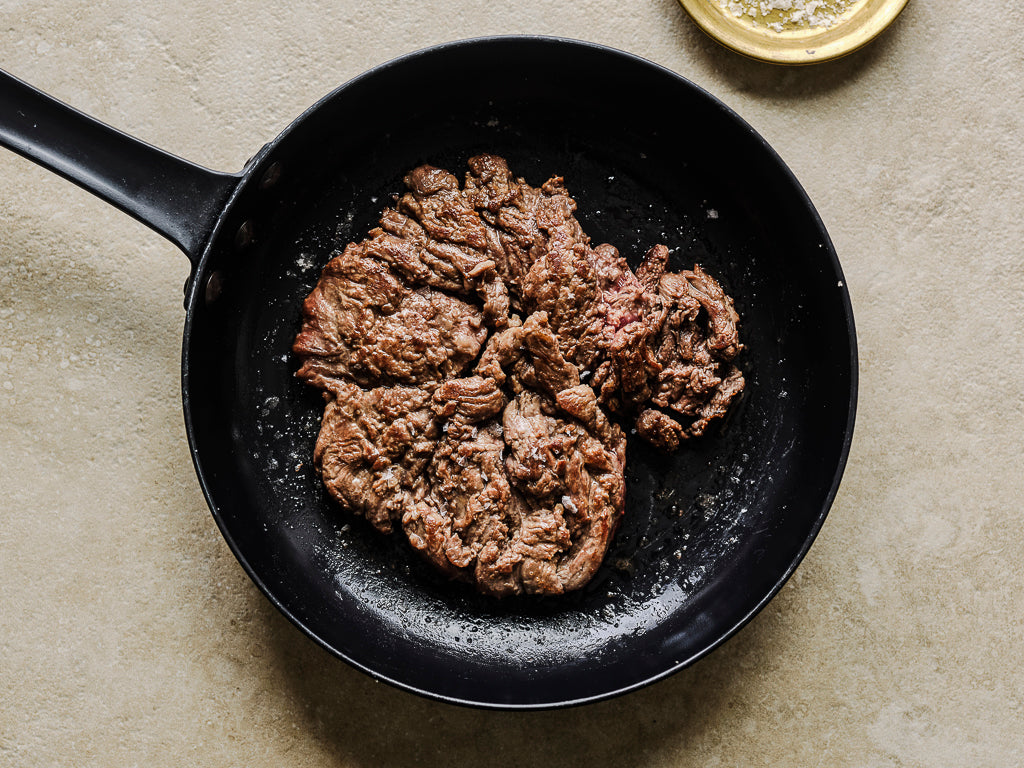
786, 42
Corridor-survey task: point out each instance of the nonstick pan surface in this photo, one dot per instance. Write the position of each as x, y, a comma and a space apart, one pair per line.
710, 533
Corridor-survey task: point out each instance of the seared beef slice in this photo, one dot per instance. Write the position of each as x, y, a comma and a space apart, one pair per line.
364, 324
471, 351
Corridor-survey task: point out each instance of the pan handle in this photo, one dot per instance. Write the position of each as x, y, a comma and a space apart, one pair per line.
180, 200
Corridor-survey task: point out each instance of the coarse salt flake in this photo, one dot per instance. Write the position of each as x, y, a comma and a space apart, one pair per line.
778, 15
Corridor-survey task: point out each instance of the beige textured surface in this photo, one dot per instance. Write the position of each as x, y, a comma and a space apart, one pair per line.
130, 636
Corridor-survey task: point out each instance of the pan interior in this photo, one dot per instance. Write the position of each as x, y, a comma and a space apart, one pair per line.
709, 533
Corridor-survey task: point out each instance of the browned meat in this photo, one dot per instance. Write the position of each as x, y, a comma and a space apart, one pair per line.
364, 324
572, 488
373, 447
470, 351
694, 347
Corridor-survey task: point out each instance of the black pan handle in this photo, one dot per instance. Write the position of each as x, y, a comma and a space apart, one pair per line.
180, 200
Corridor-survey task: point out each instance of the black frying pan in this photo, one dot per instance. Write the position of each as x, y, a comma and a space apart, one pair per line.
710, 534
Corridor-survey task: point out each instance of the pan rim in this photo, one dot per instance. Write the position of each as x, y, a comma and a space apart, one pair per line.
196, 290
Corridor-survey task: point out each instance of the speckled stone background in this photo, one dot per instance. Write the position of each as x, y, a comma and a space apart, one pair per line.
130, 636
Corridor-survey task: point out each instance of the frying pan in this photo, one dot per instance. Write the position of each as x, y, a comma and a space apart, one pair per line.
710, 533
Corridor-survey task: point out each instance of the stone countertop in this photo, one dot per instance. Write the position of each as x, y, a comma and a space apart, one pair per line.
130, 635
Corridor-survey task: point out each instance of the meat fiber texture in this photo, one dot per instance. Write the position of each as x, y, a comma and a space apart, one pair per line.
479, 360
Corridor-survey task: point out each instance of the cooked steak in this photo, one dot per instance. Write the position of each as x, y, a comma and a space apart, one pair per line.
478, 355
374, 446
365, 324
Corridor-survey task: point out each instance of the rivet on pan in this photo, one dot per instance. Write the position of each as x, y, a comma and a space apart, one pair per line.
214, 286
270, 176
244, 236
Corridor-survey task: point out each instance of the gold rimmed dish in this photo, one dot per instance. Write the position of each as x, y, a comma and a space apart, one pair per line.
785, 36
